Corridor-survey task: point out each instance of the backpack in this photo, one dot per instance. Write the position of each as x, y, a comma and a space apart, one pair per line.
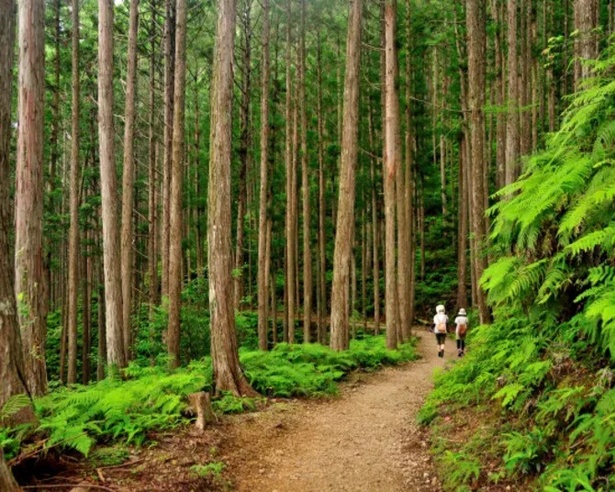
441, 328
462, 330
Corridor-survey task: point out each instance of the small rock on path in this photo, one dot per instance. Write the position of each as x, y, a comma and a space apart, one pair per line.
366, 440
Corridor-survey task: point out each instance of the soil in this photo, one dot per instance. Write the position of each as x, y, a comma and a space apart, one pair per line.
365, 439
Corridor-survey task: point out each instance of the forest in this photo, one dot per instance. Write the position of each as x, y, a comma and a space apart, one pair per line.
213, 208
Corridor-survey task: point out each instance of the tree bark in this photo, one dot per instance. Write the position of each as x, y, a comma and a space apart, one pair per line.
475, 24
244, 154
108, 183
346, 198
29, 275
512, 121
227, 372
73, 235
462, 229
7, 482
128, 177
289, 267
391, 167
305, 186
585, 47
407, 231
500, 88
322, 252
152, 245
12, 370
177, 172
263, 271
169, 84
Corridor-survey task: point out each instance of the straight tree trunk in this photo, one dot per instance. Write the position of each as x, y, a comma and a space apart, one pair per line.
322, 252
512, 121
403, 236
263, 261
227, 372
87, 310
102, 331
29, 271
462, 229
177, 172
152, 245
476, 30
108, 183
391, 167
73, 235
289, 158
12, 369
375, 229
407, 232
128, 178
500, 87
169, 84
305, 185
244, 155
346, 198
585, 47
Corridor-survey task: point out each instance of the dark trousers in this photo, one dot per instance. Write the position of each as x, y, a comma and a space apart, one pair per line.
461, 344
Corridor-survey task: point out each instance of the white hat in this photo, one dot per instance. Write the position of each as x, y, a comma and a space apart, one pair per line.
440, 308
462, 312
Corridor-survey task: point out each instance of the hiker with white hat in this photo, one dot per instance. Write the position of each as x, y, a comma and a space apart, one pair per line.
440, 321
461, 328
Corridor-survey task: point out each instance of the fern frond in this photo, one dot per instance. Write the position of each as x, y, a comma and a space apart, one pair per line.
13, 405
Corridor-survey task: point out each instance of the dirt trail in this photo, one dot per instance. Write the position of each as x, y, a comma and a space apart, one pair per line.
366, 440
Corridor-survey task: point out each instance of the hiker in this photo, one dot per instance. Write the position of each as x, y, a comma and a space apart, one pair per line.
461, 328
440, 320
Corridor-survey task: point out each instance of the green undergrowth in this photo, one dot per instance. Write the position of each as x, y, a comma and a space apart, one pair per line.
538, 384
525, 407
153, 398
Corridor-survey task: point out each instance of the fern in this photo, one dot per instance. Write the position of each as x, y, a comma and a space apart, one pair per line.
13, 405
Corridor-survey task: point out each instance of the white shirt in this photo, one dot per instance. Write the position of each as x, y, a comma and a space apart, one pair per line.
439, 319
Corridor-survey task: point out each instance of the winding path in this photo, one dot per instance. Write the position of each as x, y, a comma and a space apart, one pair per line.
365, 440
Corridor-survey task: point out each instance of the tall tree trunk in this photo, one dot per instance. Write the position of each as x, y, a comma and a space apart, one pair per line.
407, 232
500, 88
462, 229
29, 275
403, 237
391, 167
263, 272
475, 24
152, 245
227, 372
108, 183
374, 220
512, 121
244, 155
87, 310
585, 47
169, 84
128, 177
73, 235
322, 252
12, 369
346, 198
305, 185
289, 158
177, 172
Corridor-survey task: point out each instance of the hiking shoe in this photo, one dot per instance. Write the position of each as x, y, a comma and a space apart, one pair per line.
441, 353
